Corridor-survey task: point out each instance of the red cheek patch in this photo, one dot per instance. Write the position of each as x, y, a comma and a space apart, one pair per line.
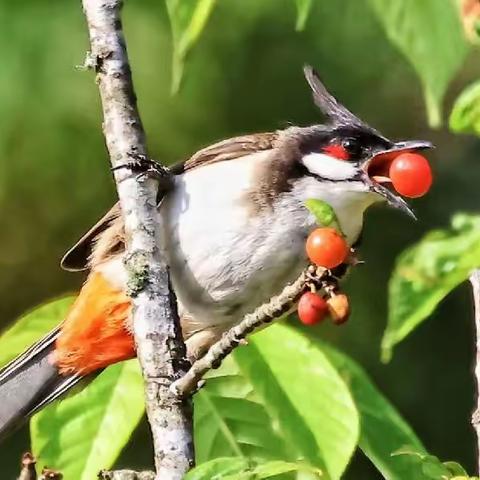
337, 151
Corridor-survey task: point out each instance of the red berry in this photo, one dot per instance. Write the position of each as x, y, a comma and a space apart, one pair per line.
411, 174
326, 247
311, 308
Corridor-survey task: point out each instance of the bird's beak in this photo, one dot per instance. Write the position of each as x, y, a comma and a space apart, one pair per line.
376, 169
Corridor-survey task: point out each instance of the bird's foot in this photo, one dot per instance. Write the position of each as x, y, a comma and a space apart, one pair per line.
144, 166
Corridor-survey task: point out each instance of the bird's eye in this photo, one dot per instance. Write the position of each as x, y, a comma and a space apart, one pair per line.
353, 147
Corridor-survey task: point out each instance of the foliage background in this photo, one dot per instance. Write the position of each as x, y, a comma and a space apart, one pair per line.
243, 76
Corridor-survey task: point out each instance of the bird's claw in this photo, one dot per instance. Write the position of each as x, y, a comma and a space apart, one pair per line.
144, 166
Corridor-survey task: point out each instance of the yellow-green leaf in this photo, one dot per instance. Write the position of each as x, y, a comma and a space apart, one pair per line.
382, 429
31, 327
240, 468
465, 115
303, 9
188, 18
425, 273
429, 34
279, 398
86, 432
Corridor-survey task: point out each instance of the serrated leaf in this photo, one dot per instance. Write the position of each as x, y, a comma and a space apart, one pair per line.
31, 327
86, 432
465, 115
429, 34
239, 468
259, 404
425, 273
303, 9
383, 432
188, 19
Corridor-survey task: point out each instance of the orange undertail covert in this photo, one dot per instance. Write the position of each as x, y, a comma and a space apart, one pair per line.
95, 333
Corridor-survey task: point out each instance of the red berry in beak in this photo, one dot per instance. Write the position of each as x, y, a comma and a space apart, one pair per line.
411, 174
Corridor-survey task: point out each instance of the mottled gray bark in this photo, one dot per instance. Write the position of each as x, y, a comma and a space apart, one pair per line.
160, 348
475, 281
126, 475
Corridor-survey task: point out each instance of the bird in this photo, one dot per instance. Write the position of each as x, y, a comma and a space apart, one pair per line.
234, 226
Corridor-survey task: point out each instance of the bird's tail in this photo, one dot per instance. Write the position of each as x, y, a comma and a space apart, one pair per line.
30, 382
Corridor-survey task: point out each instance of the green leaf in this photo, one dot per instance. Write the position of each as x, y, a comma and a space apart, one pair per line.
86, 432
31, 327
218, 468
432, 468
261, 405
303, 9
465, 116
455, 468
323, 212
188, 18
239, 468
429, 34
382, 429
425, 273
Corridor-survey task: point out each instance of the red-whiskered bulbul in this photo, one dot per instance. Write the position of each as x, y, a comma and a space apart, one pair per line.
234, 231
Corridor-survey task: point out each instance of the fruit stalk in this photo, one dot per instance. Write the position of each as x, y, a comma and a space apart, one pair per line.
268, 312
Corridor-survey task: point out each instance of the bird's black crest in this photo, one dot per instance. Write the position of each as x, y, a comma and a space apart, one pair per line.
337, 114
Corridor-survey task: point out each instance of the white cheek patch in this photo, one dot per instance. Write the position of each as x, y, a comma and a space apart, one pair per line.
328, 167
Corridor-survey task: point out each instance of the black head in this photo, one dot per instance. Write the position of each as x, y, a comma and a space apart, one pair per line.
347, 149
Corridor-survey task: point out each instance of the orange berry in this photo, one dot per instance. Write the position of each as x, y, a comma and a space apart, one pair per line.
338, 308
326, 247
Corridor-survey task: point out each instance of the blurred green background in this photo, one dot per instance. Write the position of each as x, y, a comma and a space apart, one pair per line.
243, 76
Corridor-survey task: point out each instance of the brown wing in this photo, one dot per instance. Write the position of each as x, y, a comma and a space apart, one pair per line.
228, 150
77, 258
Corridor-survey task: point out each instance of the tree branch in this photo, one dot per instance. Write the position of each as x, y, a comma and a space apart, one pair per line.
160, 348
475, 281
266, 313
125, 475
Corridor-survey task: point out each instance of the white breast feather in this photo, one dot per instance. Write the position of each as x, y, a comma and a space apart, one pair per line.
224, 260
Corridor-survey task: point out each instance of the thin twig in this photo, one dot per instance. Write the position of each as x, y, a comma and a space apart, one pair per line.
475, 281
266, 313
50, 474
160, 348
28, 471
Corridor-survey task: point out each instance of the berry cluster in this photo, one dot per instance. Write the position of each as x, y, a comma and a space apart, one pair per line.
411, 176
326, 248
